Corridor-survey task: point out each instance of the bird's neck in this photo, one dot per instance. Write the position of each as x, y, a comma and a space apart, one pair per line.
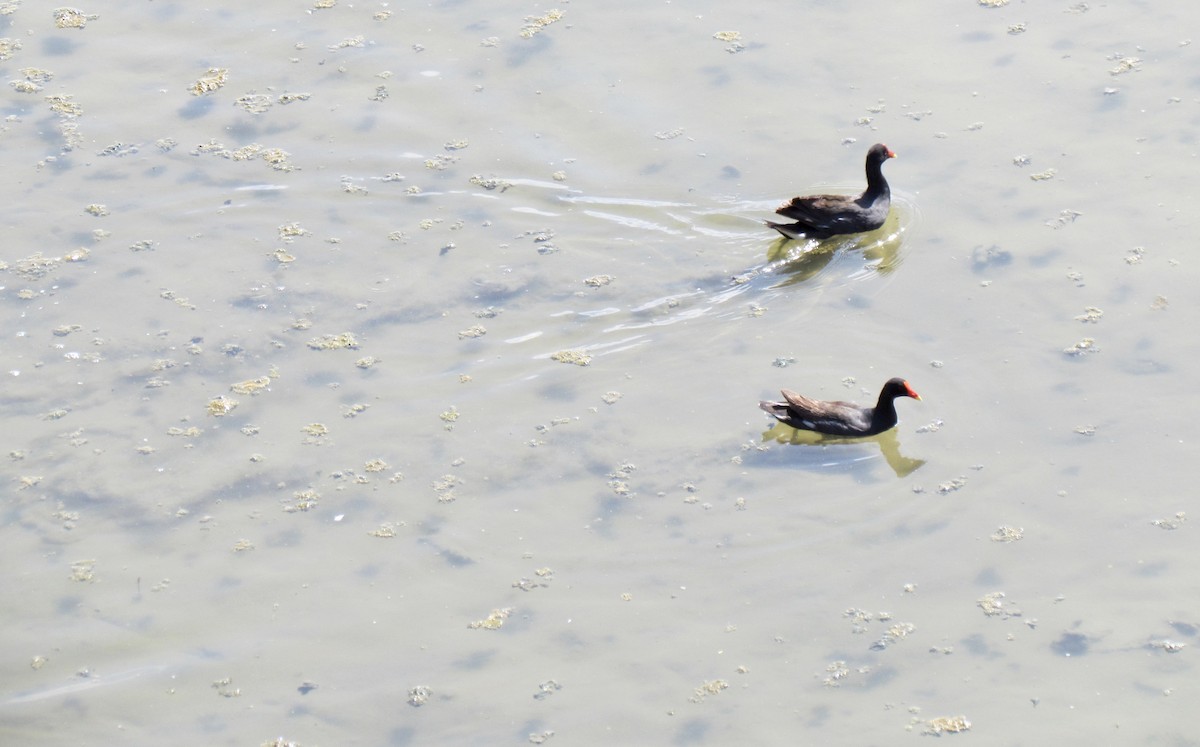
885, 410
876, 184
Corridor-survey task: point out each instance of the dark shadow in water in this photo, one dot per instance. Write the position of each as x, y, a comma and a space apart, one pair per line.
56, 46
196, 108
889, 445
1185, 628
476, 660
517, 55
988, 259
977, 645
1071, 644
452, 558
692, 731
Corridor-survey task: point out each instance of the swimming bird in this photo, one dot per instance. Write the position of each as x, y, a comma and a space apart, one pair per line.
841, 418
822, 216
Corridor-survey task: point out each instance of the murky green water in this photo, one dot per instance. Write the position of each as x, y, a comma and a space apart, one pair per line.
447, 532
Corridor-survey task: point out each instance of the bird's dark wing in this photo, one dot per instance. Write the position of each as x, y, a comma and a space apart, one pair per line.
822, 212
826, 417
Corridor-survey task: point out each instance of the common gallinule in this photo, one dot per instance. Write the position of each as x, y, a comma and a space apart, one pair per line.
841, 418
822, 216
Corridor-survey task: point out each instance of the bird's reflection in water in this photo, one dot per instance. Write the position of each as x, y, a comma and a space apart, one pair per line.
889, 445
796, 261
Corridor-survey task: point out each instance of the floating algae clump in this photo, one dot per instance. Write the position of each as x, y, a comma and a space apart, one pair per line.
212, 79
334, 342
576, 357
494, 621
251, 386
946, 725
222, 406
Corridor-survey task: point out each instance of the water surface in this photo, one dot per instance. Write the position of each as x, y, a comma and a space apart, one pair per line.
448, 532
